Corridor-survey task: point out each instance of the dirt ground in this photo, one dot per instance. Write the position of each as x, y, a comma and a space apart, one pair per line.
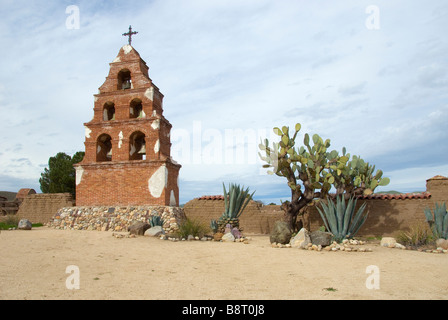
33, 265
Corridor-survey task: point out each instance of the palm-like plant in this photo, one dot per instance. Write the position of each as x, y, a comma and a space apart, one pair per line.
341, 219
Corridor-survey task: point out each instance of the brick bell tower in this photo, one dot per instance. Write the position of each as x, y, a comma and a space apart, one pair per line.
127, 143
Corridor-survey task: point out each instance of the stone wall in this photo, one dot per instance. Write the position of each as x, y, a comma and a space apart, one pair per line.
41, 207
115, 218
387, 213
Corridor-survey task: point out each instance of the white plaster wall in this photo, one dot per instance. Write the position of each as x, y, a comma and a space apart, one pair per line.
158, 182
79, 173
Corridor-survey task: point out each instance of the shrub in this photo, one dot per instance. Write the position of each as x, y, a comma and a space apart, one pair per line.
192, 227
418, 235
11, 221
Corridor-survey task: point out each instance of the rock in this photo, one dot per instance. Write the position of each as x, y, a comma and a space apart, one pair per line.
321, 238
442, 243
155, 231
281, 233
301, 239
228, 237
236, 233
388, 242
139, 228
217, 236
190, 237
24, 224
399, 246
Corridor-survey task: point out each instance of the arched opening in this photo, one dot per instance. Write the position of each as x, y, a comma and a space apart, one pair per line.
124, 80
137, 146
109, 111
136, 109
104, 148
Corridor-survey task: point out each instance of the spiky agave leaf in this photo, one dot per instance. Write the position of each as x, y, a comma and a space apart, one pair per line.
439, 214
358, 220
340, 218
445, 227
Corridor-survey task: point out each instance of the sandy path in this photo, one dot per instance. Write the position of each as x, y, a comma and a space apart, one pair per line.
33, 266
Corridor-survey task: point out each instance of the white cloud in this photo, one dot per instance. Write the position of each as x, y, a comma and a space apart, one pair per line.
233, 65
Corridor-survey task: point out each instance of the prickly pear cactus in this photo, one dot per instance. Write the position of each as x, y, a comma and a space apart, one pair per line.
312, 170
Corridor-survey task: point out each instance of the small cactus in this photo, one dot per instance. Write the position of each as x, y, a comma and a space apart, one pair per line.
214, 225
156, 221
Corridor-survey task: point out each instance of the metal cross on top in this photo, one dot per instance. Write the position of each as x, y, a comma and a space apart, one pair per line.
130, 33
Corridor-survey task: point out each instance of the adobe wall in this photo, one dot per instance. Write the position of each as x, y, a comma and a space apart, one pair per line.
41, 207
385, 216
387, 213
256, 218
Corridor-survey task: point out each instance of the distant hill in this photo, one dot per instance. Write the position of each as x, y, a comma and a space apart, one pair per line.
390, 192
8, 195
396, 192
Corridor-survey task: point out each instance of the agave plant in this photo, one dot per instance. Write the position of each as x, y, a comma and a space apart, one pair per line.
214, 225
235, 201
439, 222
156, 221
341, 219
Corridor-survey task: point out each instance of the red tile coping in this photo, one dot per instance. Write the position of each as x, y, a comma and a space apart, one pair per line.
400, 196
218, 197
374, 196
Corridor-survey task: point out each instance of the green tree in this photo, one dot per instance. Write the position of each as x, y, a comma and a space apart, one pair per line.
60, 175
311, 170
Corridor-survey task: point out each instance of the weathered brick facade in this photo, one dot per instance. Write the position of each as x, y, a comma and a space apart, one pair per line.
127, 143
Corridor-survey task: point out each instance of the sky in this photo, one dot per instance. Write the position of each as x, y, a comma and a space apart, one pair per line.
370, 76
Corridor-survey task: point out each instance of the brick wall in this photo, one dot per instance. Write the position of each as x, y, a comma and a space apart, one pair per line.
127, 183
41, 207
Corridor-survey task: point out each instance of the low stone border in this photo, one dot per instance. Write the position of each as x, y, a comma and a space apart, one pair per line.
346, 245
115, 218
121, 235
390, 242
